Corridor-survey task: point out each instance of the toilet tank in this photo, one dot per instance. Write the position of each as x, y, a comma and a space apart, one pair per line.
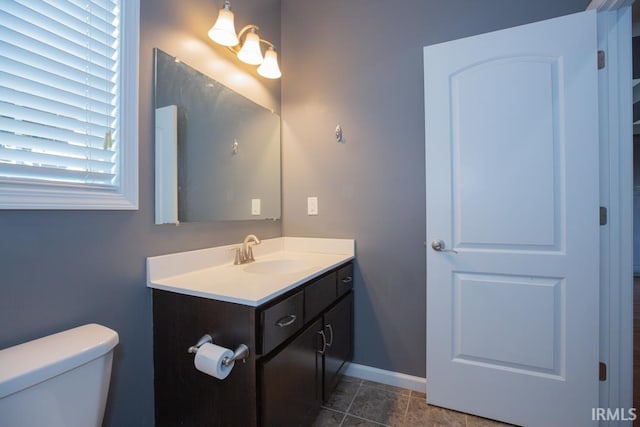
60, 380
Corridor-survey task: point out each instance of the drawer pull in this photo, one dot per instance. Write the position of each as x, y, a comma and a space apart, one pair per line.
324, 342
328, 325
286, 320
347, 280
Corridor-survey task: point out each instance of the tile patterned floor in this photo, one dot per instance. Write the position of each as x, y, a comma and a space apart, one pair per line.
362, 403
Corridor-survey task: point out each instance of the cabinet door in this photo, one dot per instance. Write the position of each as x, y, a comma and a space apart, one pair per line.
338, 328
291, 381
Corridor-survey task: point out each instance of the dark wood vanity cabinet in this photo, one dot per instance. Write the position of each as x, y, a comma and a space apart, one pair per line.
291, 381
338, 327
299, 343
297, 379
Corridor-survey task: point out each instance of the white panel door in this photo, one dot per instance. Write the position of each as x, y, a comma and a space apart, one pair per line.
512, 190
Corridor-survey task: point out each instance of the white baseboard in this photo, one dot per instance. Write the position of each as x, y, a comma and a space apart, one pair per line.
386, 377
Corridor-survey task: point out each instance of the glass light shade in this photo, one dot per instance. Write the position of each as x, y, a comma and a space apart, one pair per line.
224, 31
269, 67
250, 52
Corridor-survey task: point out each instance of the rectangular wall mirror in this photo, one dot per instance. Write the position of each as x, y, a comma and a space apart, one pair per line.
217, 152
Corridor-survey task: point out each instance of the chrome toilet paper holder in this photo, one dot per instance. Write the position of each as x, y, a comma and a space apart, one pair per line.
241, 353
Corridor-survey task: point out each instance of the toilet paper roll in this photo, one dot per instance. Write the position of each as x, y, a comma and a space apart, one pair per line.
209, 359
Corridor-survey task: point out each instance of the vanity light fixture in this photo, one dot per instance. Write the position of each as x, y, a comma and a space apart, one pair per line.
246, 44
224, 30
250, 52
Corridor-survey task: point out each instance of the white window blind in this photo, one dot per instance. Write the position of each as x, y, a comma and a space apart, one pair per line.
60, 90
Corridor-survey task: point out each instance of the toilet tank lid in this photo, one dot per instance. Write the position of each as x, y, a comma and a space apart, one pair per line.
27, 364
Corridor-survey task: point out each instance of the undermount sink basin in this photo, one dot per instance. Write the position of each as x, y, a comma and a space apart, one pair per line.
277, 266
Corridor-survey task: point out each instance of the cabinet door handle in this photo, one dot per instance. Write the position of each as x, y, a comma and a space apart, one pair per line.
324, 342
328, 325
348, 279
286, 320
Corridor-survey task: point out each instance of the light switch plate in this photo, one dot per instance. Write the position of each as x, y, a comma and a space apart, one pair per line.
255, 206
312, 206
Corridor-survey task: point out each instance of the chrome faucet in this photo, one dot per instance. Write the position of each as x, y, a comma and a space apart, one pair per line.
244, 254
247, 250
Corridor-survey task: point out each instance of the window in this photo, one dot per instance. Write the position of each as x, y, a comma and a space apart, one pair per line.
69, 104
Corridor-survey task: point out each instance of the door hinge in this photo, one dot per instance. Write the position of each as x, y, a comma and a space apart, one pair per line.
602, 374
603, 215
601, 59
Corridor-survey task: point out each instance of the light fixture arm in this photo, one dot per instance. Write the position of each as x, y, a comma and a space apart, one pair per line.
247, 28
235, 49
268, 43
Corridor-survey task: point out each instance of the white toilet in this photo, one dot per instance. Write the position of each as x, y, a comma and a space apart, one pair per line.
60, 380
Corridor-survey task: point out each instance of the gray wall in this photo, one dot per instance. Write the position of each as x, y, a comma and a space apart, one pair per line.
358, 63
62, 269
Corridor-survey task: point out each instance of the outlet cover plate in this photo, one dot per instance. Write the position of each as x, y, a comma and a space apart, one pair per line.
255, 206
312, 206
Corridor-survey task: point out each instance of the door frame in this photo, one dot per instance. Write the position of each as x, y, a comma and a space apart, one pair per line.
616, 193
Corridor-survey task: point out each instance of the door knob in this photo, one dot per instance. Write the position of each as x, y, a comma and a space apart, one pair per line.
438, 246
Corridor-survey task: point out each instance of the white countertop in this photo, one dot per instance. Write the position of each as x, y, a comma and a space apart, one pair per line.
210, 273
